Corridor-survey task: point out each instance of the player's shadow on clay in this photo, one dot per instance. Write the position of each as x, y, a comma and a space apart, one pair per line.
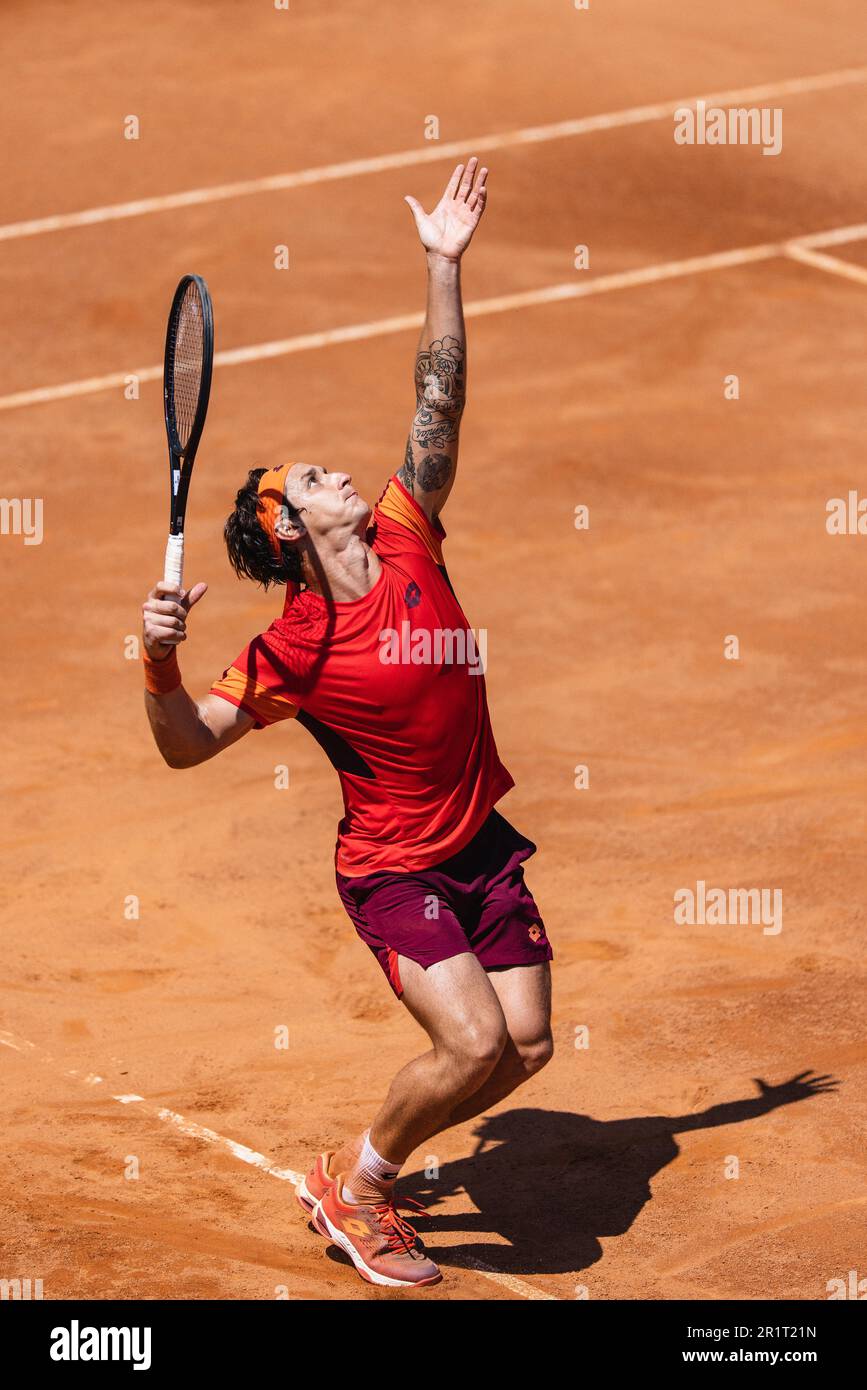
554, 1183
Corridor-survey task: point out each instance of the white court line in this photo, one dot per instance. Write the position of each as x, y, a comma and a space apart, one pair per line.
402, 159
241, 1152
377, 328
830, 263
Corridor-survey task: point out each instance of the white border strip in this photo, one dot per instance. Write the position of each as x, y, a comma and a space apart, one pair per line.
402, 159
832, 264
188, 1127
242, 1152
549, 294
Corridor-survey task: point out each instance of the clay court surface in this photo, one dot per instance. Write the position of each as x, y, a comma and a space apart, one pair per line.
607, 1172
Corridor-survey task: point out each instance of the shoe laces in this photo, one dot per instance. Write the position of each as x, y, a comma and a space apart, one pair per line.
400, 1235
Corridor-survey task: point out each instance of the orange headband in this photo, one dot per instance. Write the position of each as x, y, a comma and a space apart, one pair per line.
271, 503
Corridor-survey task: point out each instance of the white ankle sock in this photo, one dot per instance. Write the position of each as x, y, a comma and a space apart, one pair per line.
379, 1171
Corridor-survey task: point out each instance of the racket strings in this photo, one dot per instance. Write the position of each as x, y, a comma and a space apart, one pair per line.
188, 350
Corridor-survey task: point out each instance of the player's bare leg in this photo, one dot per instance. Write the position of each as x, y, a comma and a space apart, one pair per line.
489, 1033
460, 1010
524, 992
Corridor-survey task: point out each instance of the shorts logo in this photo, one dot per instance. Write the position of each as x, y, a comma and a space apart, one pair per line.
535, 933
412, 597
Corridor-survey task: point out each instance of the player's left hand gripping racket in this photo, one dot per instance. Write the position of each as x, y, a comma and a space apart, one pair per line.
186, 387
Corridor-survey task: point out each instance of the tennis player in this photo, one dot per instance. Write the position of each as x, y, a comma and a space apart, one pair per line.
373, 655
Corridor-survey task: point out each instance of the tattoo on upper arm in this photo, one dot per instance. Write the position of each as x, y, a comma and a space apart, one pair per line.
440, 397
407, 472
434, 471
429, 432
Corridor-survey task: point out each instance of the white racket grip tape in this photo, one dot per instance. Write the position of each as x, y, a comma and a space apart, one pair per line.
174, 567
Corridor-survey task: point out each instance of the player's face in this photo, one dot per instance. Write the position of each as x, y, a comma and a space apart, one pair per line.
325, 501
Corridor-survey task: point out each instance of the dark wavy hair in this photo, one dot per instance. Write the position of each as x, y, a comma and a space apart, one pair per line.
250, 550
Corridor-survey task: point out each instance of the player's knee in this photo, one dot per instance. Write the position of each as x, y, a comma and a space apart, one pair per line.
479, 1047
536, 1053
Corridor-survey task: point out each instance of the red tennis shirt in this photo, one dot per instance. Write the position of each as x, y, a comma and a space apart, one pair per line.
392, 688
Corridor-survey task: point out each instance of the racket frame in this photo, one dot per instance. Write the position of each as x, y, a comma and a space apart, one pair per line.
182, 457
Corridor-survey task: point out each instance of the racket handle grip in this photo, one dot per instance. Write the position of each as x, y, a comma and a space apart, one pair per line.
174, 566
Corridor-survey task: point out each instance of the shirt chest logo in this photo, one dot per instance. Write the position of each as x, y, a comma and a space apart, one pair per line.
412, 597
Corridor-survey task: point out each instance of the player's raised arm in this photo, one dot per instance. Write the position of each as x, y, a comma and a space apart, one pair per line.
440, 367
186, 731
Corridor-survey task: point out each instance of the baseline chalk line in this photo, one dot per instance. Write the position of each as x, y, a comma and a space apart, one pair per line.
479, 308
832, 264
402, 159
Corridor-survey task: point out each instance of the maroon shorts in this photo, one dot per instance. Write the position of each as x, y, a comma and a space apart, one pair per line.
475, 901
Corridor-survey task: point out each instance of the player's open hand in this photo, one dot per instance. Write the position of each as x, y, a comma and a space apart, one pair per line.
448, 230
164, 614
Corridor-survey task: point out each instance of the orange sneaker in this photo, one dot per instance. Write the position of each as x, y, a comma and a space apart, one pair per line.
314, 1185
382, 1245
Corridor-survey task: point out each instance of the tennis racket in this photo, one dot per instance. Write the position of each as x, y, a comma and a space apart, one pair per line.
187, 370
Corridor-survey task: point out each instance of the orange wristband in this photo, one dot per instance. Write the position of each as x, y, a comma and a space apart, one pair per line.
162, 677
